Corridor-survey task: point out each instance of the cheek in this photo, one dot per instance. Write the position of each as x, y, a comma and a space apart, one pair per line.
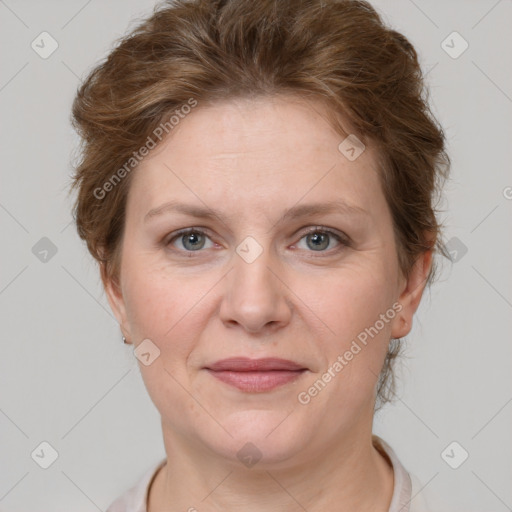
351, 307
351, 299
150, 307
168, 308
155, 300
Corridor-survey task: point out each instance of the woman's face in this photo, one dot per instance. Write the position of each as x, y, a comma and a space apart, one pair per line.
291, 256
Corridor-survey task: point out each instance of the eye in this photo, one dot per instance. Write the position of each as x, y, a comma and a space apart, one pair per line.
192, 239
318, 239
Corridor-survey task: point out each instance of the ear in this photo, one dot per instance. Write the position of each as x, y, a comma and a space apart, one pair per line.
116, 301
411, 294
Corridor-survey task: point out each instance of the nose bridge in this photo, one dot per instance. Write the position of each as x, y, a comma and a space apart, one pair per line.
251, 266
252, 279
254, 296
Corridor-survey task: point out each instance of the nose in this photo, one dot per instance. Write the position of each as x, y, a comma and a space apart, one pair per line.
255, 295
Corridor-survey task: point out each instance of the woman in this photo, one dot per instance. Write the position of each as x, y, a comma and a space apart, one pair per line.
257, 184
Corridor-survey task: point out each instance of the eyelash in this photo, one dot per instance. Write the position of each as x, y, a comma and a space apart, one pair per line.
343, 240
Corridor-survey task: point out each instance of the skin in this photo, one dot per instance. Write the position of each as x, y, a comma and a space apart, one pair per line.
250, 161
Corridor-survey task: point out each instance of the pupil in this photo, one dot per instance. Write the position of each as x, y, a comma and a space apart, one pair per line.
317, 240
192, 239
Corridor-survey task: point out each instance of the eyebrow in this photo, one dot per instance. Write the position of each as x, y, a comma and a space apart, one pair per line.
301, 210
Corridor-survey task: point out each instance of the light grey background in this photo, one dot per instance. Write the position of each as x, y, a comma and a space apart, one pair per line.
66, 377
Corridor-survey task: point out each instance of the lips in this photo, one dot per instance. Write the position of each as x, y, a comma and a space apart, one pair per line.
255, 375
244, 364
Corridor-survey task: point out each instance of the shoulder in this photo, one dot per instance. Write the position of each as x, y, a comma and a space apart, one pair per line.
135, 498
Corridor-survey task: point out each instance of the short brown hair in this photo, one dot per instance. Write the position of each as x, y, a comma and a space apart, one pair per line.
336, 51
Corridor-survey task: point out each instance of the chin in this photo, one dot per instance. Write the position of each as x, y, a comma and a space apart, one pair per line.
261, 435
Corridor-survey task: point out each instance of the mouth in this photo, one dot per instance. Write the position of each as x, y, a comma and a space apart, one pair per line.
256, 375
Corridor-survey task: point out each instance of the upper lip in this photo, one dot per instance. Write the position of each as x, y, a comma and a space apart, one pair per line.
245, 364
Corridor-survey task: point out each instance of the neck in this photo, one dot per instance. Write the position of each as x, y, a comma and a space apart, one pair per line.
352, 475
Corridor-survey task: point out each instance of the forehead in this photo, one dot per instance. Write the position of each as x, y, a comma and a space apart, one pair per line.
255, 152
271, 125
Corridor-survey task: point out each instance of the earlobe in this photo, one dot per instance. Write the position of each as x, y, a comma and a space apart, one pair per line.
410, 296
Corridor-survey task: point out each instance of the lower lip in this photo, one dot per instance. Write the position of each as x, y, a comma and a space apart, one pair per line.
257, 382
